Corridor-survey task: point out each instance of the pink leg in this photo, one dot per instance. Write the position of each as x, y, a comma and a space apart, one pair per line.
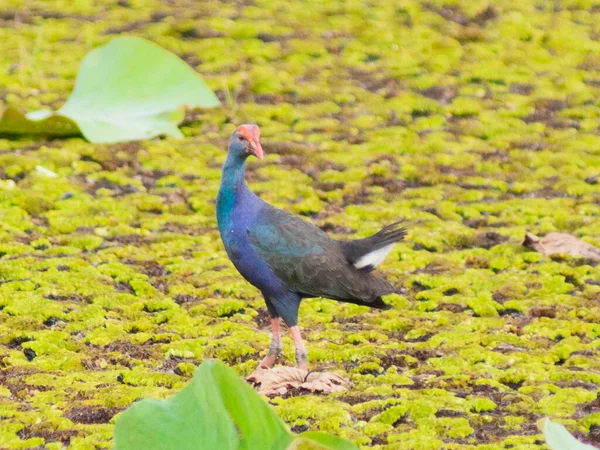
275, 347
301, 353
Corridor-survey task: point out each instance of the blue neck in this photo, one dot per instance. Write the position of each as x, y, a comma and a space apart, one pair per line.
234, 172
233, 184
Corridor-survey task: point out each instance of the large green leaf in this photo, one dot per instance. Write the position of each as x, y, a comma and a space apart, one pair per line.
128, 89
558, 438
14, 121
195, 418
259, 426
217, 410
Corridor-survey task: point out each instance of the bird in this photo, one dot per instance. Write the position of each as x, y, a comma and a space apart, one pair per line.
289, 259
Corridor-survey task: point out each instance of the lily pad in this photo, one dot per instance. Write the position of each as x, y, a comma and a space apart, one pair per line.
126, 90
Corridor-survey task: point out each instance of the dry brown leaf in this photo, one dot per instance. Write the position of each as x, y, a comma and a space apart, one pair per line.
280, 380
561, 243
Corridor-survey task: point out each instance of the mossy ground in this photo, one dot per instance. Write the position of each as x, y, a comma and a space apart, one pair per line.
474, 121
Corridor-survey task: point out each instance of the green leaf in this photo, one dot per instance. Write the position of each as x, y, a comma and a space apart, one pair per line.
202, 416
558, 438
259, 425
195, 418
128, 89
217, 410
13, 121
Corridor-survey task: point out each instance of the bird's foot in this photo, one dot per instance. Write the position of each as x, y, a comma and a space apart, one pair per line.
301, 353
274, 351
301, 356
302, 359
267, 362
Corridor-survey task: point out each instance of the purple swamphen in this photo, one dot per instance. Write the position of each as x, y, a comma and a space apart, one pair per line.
289, 259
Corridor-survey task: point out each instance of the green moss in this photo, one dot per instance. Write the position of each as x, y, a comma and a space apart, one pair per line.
415, 439
473, 123
479, 404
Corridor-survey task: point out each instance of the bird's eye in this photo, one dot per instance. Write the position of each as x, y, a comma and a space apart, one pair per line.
241, 138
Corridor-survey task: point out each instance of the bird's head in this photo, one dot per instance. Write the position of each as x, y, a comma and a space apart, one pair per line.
246, 141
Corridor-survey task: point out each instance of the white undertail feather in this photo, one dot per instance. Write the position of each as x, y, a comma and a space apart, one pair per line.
373, 258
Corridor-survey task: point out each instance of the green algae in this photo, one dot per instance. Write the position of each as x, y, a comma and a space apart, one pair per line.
475, 122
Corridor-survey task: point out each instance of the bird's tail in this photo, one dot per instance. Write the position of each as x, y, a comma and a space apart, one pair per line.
379, 304
366, 254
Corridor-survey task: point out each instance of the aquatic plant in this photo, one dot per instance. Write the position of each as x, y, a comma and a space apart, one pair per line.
216, 410
114, 286
558, 438
130, 89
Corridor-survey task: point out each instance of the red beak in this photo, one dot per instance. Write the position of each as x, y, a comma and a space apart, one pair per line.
256, 149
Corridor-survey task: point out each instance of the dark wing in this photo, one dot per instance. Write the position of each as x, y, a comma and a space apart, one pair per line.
308, 261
